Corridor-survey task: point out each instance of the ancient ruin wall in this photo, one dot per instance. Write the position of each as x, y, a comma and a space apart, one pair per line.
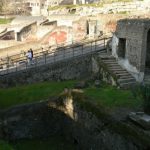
27, 31
133, 34
77, 68
76, 120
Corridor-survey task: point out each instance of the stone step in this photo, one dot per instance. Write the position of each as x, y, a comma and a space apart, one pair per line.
111, 63
127, 80
114, 70
110, 60
121, 73
104, 57
113, 67
127, 84
126, 77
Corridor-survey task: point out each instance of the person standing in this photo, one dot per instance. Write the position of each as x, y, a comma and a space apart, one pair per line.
31, 53
29, 57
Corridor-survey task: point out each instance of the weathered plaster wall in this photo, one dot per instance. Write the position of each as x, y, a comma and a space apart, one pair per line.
58, 36
10, 35
79, 29
27, 32
17, 48
44, 29
134, 33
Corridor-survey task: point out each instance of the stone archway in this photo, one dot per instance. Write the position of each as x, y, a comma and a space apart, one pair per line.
147, 60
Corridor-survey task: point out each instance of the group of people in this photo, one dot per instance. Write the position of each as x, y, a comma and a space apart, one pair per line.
30, 56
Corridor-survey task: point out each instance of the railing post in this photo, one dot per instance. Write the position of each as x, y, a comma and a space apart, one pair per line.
73, 52
64, 53
54, 56
82, 49
91, 46
36, 61
16, 66
26, 65
45, 58
104, 43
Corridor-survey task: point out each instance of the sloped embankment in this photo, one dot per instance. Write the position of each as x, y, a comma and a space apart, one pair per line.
75, 119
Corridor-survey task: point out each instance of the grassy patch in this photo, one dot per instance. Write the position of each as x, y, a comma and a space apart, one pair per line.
5, 146
53, 143
106, 95
5, 21
112, 97
31, 93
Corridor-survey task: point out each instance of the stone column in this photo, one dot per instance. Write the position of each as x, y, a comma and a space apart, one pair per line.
92, 28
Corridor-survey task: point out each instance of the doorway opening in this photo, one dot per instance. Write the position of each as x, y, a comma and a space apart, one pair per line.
147, 61
122, 48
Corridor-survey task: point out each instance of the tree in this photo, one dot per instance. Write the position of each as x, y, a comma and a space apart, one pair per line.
5, 6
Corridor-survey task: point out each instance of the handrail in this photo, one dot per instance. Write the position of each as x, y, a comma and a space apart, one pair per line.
47, 55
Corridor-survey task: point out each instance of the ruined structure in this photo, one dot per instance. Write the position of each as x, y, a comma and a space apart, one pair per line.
131, 46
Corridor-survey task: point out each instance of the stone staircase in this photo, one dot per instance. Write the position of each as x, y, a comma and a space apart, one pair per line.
123, 78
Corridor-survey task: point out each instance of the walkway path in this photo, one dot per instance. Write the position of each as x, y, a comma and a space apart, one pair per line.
52, 55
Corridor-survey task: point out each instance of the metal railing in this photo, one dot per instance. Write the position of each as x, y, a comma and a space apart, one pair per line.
50, 55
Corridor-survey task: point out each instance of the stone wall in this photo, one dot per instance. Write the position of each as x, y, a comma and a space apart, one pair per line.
44, 29
77, 121
127, 7
18, 47
79, 29
8, 43
27, 32
77, 68
67, 34
132, 45
8, 35
140, 7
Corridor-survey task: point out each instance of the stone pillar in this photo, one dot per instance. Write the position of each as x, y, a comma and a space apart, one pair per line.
92, 28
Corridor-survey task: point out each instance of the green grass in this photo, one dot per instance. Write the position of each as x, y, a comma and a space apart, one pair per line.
53, 143
112, 97
5, 21
5, 146
31, 93
107, 95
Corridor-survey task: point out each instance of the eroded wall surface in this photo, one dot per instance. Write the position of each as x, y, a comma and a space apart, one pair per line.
131, 35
